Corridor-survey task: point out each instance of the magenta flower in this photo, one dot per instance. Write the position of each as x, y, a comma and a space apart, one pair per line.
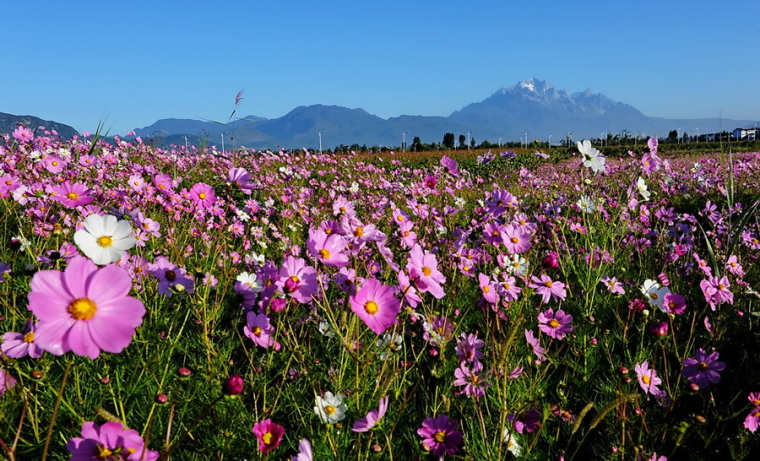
8, 184
613, 285
468, 348
242, 178
375, 305
297, 279
450, 164
259, 329
84, 309
526, 421
372, 418
547, 288
203, 195
269, 435
6, 381
674, 303
327, 248
171, 278
648, 379
23, 134
716, 291
704, 369
304, 451
19, 345
508, 288
751, 422
535, 344
488, 289
109, 441
163, 183
407, 290
470, 378
440, 435
71, 195
516, 239
54, 164
423, 269
555, 324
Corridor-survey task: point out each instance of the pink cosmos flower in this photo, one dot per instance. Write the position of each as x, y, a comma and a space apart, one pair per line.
242, 178
171, 278
297, 279
203, 195
8, 184
329, 249
372, 418
613, 285
375, 305
732, 265
304, 451
547, 288
84, 309
440, 435
508, 288
516, 239
259, 329
407, 290
535, 344
752, 421
704, 369
555, 324
648, 379
468, 348
269, 435
163, 183
17, 345
674, 303
54, 164
71, 195
716, 291
471, 379
109, 441
423, 269
490, 294
23, 134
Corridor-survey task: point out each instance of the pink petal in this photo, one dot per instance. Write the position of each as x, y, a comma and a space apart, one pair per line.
50, 282
108, 284
79, 341
49, 306
50, 335
76, 275
110, 333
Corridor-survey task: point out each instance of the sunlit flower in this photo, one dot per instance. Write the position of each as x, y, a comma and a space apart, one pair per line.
330, 408
104, 239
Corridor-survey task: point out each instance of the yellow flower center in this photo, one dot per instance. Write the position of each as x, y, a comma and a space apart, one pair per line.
324, 253
486, 290
371, 307
329, 409
105, 241
257, 331
548, 284
266, 437
474, 379
102, 452
82, 309
554, 323
72, 196
54, 163
400, 218
29, 337
653, 295
645, 379
701, 366
756, 402
427, 271
359, 231
515, 239
8, 182
202, 196
721, 286
295, 278
328, 231
440, 436
495, 233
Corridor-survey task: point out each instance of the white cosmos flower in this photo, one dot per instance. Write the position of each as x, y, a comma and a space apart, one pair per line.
641, 185
330, 408
251, 281
592, 158
655, 293
517, 265
511, 442
586, 204
104, 239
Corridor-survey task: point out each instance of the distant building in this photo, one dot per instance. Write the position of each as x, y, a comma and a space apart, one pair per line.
746, 134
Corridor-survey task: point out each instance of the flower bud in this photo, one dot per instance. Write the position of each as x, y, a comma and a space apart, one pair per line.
234, 385
551, 260
659, 329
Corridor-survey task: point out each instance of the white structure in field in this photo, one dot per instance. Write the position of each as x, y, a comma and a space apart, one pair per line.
746, 134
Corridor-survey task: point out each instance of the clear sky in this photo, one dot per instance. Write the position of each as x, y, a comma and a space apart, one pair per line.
131, 63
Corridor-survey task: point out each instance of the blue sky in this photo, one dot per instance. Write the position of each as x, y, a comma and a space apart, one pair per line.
131, 63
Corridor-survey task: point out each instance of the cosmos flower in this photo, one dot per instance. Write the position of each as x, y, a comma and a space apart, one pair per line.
547, 288
613, 285
304, 451
641, 186
104, 239
440, 435
555, 324
516, 239
375, 305
248, 286
258, 329
423, 270
535, 344
704, 369
674, 303
330, 408
526, 421
648, 379
297, 279
592, 158
488, 289
470, 378
468, 348
269, 435
71, 195
716, 291
172, 279
329, 249
84, 309
17, 345
109, 441
203, 195
372, 418
654, 293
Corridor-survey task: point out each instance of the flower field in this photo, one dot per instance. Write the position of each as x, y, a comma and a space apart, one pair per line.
176, 304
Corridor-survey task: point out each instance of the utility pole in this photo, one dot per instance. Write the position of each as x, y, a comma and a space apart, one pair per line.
468, 139
499, 142
222, 143
550, 141
403, 141
185, 142
320, 142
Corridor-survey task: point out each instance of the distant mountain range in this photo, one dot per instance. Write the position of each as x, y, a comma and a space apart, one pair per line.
533, 106
9, 122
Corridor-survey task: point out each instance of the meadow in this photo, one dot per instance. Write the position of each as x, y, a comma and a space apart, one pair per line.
176, 304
